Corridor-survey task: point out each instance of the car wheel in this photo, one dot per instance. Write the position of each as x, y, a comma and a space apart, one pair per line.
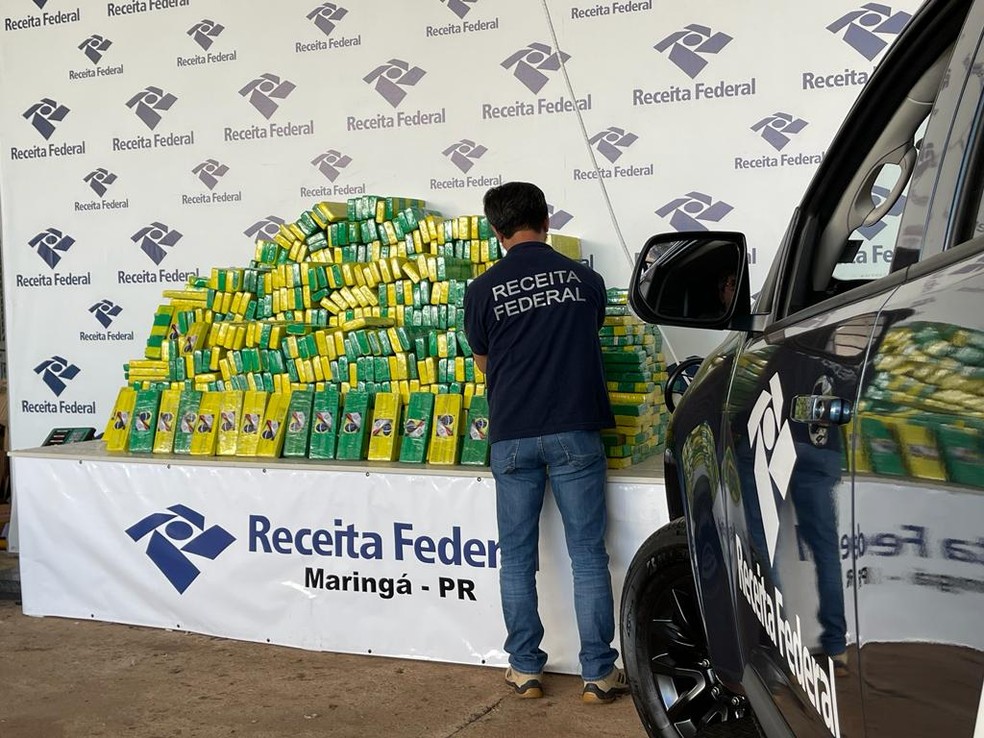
663, 644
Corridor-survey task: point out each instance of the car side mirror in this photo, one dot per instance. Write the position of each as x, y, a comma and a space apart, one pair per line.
693, 279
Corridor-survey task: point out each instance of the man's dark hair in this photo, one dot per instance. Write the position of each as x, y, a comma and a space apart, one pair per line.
515, 205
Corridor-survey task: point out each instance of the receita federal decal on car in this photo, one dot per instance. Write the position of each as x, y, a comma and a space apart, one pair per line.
774, 456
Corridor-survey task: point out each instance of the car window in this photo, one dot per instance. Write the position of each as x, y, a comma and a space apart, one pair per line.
970, 210
854, 211
873, 246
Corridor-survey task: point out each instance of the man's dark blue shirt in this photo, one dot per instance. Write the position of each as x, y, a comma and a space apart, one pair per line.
535, 315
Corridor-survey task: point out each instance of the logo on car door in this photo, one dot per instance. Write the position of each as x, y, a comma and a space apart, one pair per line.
774, 457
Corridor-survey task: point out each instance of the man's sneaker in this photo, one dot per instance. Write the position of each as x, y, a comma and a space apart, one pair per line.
606, 689
526, 686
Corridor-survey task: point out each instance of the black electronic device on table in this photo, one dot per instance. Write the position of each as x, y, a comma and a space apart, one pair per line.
61, 436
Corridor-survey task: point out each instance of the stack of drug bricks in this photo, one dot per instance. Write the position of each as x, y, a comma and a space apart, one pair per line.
635, 372
342, 338
921, 412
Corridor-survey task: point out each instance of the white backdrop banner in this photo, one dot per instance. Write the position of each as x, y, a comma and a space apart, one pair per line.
146, 140
381, 563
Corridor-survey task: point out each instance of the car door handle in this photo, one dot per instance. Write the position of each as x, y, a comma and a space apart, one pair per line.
821, 410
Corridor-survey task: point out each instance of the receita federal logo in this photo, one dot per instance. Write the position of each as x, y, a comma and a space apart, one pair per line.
204, 33
535, 65
463, 154
266, 93
332, 163
558, 218
870, 29
94, 48
611, 143
43, 19
778, 131
774, 457
105, 312
154, 240
461, 8
56, 373
175, 535
692, 49
694, 211
45, 115
150, 105
531, 64
392, 81
209, 172
326, 18
51, 245
612, 8
99, 181
689, 47
265, 229
132, 7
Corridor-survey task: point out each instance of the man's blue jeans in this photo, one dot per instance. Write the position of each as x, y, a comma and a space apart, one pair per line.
576, 464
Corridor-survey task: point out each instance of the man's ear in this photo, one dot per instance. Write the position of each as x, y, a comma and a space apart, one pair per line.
546, 225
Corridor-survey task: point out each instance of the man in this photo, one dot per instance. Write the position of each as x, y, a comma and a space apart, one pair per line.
532, 321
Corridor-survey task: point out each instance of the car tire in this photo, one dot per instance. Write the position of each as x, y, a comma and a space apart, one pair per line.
664, 646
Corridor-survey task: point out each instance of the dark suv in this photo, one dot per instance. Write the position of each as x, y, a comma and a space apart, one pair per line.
824, 570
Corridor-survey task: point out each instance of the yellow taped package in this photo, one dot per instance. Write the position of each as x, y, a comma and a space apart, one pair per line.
444, 430
227, 436
166, 421
203, 437
251, 420
274, 427
117, 433
383, 434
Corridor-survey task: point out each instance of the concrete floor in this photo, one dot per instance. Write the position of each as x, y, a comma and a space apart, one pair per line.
67, 678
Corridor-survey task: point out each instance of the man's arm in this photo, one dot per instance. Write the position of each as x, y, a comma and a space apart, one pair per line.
480, 361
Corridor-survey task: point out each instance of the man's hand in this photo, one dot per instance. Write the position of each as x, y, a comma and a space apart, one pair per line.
480, 361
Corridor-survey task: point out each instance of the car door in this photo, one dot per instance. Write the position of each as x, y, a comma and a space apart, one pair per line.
919, 458
797, 383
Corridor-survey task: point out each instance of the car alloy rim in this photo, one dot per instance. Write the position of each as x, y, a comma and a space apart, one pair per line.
681, 671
